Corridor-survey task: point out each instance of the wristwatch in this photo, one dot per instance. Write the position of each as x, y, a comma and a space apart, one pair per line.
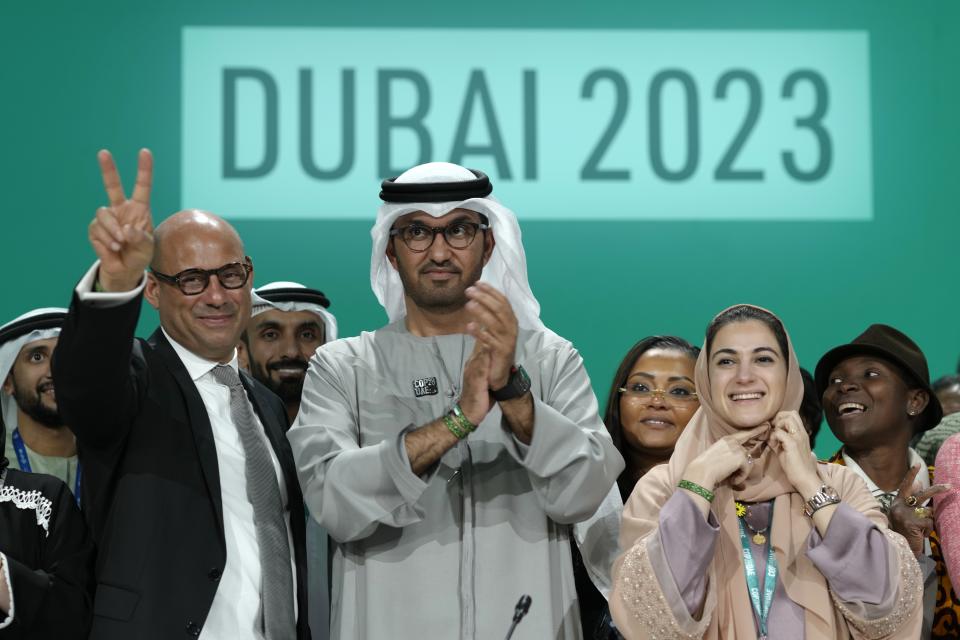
822, 498
517, 385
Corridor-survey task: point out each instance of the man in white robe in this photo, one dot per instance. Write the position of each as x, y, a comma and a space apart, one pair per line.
37, 440
449, 452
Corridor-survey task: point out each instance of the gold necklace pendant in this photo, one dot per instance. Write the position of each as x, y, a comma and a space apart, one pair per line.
759, 539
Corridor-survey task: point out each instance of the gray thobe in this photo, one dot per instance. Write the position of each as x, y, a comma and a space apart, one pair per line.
447, 554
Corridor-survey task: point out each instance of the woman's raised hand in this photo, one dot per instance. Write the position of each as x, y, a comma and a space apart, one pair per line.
725, 461
789, 440
908, 516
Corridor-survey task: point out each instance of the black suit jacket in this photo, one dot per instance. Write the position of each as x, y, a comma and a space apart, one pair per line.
151, 487
50, 567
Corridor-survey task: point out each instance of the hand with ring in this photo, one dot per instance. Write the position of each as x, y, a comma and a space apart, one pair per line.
790, 442
908, 516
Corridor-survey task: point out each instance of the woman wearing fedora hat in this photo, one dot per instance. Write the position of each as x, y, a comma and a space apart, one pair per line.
743, 534
876, 397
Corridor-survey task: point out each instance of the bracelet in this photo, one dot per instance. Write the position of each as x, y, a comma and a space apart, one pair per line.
704, 493
464, 421
453, 427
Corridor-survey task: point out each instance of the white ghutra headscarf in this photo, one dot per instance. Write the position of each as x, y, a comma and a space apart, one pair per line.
293, 296
507, 268
33, 326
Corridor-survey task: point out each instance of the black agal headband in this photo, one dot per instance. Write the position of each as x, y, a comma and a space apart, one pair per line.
295, 294
407, 192
50, 320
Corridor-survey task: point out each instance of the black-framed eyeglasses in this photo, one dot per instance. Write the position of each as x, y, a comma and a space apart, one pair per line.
192, 282
420, 237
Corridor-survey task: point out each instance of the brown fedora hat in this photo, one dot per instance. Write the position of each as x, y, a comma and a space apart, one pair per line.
883, 341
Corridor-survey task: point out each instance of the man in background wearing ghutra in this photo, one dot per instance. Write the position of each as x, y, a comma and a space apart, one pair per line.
37, 439
289, 321
449, 452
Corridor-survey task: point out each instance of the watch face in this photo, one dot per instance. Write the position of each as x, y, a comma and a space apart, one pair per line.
825, 496
524, 377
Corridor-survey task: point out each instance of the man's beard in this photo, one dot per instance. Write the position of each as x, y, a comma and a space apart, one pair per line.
31, 403
426, 295
288, 389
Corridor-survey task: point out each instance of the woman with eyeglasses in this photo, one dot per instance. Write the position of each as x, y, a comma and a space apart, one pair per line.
650, 402
743, 534
877, 397
652, 398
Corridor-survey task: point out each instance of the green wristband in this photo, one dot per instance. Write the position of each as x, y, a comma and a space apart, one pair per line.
703, 492
464, 421
453, 427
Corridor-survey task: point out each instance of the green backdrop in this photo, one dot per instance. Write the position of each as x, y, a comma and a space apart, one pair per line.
77, 77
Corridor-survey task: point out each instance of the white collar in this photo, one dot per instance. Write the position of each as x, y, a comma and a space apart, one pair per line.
196, 366
923, 477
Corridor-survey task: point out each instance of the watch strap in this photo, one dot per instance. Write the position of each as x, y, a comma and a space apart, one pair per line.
517, 384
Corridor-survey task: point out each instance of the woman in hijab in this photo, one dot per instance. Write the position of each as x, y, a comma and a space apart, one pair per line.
743, 534
46, 558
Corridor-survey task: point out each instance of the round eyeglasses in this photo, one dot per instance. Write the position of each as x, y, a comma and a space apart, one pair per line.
677, 395
420, 237
192, 282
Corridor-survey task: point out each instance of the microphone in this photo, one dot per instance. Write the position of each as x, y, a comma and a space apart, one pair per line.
523, 606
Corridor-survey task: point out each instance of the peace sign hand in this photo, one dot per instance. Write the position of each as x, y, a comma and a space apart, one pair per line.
122, 234
907, 515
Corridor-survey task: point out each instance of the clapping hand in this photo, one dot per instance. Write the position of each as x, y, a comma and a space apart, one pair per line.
476, 401
494, 325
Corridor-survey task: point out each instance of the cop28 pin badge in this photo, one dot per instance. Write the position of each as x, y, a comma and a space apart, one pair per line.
425, 387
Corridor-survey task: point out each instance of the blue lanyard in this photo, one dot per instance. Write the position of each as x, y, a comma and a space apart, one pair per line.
762, 609
24, 462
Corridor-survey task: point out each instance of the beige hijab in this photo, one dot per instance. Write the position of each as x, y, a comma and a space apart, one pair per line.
803, 583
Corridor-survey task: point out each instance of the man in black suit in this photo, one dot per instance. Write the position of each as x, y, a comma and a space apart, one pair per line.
189, 484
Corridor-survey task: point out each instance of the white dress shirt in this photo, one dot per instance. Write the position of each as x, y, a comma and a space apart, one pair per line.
235, 609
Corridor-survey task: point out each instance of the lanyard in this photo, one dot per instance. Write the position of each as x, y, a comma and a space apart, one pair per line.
24, 462
762, 609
